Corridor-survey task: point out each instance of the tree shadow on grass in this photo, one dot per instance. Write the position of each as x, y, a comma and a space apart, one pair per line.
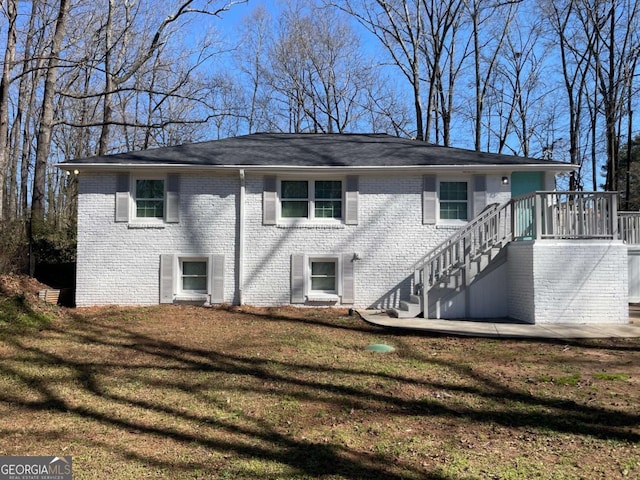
135, 358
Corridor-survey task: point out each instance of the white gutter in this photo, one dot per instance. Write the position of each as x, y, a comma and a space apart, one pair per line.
401, 169
241, 238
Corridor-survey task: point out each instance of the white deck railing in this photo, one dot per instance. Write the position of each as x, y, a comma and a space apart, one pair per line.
629, 227
535, 216
565, 215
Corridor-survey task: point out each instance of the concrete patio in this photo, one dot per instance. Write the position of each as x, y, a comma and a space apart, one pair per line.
505, 328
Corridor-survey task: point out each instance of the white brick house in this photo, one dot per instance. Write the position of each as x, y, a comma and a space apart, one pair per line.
274, 219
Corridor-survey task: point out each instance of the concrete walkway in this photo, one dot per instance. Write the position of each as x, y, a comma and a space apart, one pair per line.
507, 328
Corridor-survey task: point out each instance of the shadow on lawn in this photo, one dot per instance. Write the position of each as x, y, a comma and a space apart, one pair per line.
252, 436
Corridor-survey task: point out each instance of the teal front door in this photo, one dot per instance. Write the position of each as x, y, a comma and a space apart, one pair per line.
521, 184
526, 182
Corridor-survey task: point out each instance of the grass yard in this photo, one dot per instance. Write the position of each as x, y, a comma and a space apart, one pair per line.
186, 392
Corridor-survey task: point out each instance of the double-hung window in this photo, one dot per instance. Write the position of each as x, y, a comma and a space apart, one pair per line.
328, 199
149, 198
454, 200
192, 278
311, 199
193, 273
324, 277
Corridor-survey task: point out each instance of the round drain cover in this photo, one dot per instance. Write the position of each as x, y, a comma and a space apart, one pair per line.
380, 347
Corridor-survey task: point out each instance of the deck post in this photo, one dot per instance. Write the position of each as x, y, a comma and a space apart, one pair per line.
538, 214
425, 299
614, 216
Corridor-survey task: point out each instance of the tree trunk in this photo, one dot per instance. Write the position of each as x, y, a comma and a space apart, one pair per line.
9, 58
43, 145
107, 108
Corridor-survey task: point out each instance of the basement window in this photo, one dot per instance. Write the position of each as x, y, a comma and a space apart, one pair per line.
193, 275
323, 276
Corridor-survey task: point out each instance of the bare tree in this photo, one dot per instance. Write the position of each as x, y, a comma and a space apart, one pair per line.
252, 62
490, 24
615, 25
399, 28
438, 47
315, 66
7, 67
522, 71
597, 41
121, 62
46, 118
575, 62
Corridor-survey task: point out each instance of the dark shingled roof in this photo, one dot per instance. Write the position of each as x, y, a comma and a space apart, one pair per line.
311, 150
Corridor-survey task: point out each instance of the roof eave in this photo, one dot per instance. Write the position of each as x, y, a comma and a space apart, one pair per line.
488, 168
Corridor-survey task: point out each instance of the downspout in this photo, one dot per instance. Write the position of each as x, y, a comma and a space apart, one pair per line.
241, 238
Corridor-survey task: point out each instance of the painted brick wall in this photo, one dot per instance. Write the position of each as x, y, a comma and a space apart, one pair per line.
520, 286
581, 282
554, 281
118, 264
389, 238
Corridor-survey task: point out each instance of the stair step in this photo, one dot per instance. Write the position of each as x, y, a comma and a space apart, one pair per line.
406, 309
404, 305
398, 313
415, 299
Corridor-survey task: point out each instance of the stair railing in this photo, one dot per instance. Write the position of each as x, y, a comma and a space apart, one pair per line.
538, 215
491, 228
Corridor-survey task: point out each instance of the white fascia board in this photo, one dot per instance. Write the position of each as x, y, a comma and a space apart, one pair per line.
156, 167
284, 169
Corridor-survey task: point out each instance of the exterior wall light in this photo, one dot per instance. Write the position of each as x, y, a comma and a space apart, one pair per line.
505, 180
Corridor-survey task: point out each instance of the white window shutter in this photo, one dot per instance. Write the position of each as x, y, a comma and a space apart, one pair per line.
351, 201
348, 280
167, 278
216, 278
172, 207
479, 194
269, 201
122, 198
429, 200
297, 278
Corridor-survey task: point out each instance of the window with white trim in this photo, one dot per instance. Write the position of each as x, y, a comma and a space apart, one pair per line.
193, 275
145, 198
323, 275
192, 278
311, 199
322, 278
148, 198
454, 201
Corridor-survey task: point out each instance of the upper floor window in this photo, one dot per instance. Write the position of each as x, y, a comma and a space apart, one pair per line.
149, 198
454, 201
311, 199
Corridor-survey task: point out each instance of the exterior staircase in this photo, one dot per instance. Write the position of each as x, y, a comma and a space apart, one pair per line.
457, 261
478, 247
